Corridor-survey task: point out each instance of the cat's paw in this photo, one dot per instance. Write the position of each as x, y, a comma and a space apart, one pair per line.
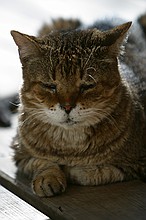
48, 183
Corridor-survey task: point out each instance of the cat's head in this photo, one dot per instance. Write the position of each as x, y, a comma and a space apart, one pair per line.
71, 78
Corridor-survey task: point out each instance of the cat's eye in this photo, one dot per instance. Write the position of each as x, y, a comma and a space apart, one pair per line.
85, 87
51, 87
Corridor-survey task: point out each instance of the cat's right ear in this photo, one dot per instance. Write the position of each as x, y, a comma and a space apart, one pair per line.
26, 44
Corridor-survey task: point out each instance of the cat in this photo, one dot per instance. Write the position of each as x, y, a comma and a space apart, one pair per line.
142, 22
81, 115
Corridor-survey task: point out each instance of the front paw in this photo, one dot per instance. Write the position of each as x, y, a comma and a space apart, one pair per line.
49, 183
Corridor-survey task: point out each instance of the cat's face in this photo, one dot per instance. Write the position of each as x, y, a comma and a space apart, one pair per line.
71, 79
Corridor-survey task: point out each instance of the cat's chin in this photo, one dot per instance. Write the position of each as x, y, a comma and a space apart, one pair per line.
69, 124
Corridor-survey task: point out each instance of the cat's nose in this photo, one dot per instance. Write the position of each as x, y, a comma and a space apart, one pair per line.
67, 108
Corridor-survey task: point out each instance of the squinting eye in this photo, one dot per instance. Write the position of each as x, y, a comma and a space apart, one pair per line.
51, 87
85, 87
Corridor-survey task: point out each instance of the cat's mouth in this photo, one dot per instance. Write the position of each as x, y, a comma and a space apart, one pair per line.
69, 122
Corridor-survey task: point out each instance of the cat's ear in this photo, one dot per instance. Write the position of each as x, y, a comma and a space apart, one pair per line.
117, 34
26, 44
113, 38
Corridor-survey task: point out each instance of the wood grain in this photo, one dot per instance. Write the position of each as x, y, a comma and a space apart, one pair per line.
121, 201
125, 201
12, 207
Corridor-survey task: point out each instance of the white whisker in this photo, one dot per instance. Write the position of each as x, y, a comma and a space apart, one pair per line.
94, 115
89, 56
92, 78
34, 114
108, 116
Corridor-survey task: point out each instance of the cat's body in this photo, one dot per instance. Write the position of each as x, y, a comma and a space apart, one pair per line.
79, 120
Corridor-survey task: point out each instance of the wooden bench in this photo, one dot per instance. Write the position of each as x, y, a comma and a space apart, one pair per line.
12, 207
120, 201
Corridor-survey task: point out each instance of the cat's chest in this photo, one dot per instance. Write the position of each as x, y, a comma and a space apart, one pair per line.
71, 138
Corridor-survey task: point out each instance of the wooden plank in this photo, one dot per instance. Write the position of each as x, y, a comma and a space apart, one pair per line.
12, 207
125, 201
111, 202
22, 189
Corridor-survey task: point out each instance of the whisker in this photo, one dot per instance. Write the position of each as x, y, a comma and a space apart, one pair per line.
89, 56
109, 117
99, 114
32, 117
14, 104
92, 78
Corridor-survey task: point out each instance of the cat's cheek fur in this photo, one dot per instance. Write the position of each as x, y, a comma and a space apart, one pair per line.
83, 117
55, 115
77, 117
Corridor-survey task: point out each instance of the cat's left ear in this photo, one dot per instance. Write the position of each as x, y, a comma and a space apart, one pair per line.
113, 38
117, 34
27, 45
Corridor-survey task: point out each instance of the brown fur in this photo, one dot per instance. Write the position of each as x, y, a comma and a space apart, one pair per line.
79, 120
61, 25
142, 22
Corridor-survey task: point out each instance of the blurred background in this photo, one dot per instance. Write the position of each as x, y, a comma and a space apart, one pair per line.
27, 16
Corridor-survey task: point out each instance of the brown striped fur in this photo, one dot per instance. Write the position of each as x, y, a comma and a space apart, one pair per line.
79, 119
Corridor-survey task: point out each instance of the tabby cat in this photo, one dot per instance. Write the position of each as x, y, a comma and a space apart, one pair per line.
81, 116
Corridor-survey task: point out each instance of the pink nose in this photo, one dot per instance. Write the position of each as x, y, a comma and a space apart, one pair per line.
67, 108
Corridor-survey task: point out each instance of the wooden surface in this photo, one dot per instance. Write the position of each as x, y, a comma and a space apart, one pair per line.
14, 208
121, 201
117, 201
